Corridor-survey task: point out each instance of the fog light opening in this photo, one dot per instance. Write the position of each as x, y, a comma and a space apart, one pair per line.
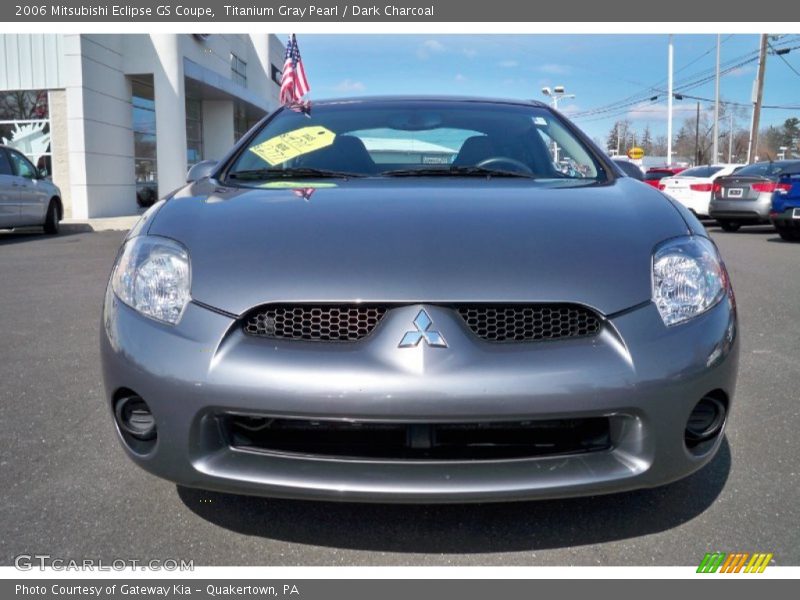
705, 422
134, 418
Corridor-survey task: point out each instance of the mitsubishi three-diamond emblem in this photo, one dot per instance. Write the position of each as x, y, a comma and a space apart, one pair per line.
423, 324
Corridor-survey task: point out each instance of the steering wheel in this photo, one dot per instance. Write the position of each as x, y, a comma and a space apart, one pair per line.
494, 161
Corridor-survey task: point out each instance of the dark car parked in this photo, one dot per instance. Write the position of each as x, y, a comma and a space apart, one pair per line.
785, 213
630, 169
745, 198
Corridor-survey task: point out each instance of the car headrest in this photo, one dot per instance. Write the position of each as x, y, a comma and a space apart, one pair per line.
347, 153
474, 150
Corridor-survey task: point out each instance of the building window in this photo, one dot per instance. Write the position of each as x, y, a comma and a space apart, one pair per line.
144, 140
240, 123
25, 125
194, 131
238, 70
276, 74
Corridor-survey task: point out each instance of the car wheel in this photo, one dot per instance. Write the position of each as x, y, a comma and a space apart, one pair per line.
51, 224
789, 234
730, 225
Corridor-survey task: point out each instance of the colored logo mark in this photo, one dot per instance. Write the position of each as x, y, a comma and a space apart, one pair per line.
734, 562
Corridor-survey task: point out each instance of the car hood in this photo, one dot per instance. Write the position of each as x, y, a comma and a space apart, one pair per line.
421, 240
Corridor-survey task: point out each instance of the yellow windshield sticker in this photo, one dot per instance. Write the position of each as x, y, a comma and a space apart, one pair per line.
294, 143
291, 185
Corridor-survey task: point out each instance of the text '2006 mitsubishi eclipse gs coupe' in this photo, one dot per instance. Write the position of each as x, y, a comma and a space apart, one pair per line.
419, 300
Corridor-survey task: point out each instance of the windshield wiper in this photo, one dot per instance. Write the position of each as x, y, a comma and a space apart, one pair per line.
259, 174
456, 171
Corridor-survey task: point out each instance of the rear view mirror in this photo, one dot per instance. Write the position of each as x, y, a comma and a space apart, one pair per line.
200, 170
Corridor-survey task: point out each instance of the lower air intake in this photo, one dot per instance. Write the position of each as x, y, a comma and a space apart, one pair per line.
423, 441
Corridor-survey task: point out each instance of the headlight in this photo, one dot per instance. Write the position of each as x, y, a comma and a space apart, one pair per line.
688, 278
152, 276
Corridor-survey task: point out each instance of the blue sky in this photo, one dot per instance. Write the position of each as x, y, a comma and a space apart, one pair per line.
600, 70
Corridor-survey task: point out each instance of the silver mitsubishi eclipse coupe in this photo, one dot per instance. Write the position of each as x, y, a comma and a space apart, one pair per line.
414, 299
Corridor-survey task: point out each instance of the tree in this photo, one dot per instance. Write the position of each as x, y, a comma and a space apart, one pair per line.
647, 141
730, 120
791, 134
660, 146
683, 145
769, 143
620, 136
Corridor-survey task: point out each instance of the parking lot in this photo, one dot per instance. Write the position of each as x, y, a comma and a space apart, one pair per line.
70, 491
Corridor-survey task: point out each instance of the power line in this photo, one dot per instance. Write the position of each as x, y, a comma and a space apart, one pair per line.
783, 58
639, 97
688, 83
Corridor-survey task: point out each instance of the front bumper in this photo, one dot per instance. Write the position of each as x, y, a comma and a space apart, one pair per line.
743, 211
645, 377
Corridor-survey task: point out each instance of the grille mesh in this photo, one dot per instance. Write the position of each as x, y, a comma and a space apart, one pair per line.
529, 323
320, 323
350, 323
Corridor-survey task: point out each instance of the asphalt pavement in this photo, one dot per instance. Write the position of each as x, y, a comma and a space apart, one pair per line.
69, 490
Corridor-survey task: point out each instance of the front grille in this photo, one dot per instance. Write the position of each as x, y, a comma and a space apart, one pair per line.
322, 323
423, 441
529, 323
491, 322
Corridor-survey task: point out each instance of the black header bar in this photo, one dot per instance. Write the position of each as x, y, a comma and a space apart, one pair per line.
433, 11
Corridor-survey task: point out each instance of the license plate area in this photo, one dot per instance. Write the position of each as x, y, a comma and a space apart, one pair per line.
735, 192
796, 213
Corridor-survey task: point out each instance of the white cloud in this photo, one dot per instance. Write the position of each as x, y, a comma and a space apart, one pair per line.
646, 111
469, 52
741, 71
460, 78
429, 47
508, 64
348, 85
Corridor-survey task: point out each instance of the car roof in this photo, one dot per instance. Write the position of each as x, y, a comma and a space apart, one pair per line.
788, 161
428, 98
717, 166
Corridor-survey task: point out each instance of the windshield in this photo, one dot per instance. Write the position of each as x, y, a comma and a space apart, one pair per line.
416, 139
705, 171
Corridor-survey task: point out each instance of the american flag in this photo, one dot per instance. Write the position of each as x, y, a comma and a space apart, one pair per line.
294, 83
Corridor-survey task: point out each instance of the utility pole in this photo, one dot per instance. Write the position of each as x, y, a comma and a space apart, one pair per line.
730, 139
697, 136
556, 94
715, 150
752, 146
669, 102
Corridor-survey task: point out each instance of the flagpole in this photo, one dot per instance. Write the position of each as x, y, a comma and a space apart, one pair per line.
669, 101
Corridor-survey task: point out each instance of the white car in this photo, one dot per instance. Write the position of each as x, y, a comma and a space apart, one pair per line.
693, 187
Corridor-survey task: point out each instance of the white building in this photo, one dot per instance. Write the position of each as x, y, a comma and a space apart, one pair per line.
116, 118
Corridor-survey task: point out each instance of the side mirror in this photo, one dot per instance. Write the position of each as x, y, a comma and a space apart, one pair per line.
200, 170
